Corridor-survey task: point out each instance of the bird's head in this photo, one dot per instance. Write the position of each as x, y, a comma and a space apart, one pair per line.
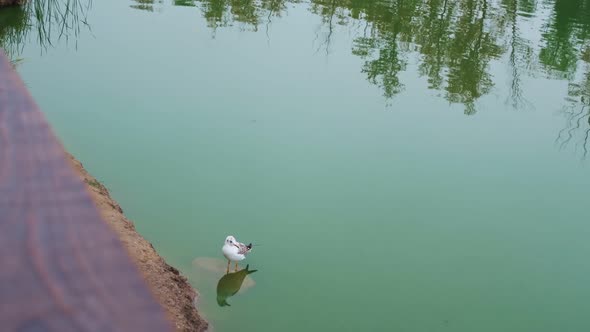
231, 241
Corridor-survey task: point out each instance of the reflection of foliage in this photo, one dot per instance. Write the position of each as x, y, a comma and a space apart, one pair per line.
184, 3
382, 45
332, 14
13, 30
520, 56
53, 20
148, 5
566, 42
222, 13
470, 50
455, 40
434, 31
383, 70
567, 30
577, 128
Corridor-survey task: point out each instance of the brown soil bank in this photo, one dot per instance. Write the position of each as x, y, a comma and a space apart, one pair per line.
170, 288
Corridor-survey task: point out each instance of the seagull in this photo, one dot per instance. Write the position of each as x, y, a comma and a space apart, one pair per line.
234, 251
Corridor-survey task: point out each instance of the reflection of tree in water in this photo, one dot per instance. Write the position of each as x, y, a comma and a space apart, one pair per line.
332, 15
434, 30
184, 3
51, 20
13, 30
520, 57
577, 114
471, 49
153, 5
455, 41
567, 30
385, 41
566, 55
251, 13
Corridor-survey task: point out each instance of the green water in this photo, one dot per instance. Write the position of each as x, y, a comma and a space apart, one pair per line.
405, 165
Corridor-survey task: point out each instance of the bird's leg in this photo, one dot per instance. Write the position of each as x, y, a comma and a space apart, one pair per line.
236, 267
228, 262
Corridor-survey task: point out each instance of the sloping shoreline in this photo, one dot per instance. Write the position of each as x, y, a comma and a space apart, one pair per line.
169, 287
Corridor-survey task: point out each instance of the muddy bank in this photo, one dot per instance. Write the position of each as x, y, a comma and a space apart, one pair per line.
170, 288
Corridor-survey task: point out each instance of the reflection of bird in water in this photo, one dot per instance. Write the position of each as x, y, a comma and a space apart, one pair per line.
230, 284
234, 251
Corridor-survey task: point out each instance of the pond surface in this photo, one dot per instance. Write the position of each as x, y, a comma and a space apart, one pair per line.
403, 165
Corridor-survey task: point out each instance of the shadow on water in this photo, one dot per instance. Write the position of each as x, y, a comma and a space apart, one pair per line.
230, 284
212, 271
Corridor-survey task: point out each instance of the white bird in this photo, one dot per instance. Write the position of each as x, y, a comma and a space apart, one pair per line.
234, 251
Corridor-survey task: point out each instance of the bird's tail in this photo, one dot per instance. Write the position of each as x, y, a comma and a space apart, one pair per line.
250, 246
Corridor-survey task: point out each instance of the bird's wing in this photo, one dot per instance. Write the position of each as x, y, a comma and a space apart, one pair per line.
242, 249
